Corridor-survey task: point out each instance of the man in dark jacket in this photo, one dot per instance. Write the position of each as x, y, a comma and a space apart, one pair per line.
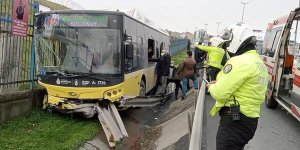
163, 71
187, 71
199, 57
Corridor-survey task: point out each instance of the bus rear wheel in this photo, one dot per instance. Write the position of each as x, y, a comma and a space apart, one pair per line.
142, 88
271, 102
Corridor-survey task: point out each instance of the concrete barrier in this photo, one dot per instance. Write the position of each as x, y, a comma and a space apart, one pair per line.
15, 104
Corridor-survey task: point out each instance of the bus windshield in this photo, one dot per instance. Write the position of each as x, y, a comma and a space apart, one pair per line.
74, 44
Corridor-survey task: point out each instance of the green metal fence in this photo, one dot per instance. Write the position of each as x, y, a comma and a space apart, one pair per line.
177, 44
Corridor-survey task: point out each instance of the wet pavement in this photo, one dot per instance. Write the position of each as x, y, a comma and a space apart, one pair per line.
277, 130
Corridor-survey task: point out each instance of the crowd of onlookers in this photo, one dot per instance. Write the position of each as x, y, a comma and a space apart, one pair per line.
187, 70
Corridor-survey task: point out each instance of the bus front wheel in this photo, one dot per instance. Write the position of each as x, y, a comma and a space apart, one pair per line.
271, 102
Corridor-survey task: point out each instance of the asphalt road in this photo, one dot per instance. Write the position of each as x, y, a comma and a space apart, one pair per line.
277, 130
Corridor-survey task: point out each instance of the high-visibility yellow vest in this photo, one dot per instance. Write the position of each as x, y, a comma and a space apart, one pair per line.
244, 77
215, 55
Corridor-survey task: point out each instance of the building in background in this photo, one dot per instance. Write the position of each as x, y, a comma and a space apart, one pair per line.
187, 35
259, 34
200, 36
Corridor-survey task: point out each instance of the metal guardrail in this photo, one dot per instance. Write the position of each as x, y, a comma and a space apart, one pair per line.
196, 133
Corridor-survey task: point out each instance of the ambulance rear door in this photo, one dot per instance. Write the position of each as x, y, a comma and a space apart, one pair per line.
270, 52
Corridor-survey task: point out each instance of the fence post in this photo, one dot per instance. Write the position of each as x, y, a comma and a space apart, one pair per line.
32, 64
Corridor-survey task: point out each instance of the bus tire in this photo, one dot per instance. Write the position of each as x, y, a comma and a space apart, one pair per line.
271, 102
142, 88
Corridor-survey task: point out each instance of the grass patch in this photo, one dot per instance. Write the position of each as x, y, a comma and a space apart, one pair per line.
41, 130
179, 57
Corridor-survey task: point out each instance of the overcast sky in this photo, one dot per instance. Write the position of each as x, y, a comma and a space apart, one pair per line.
187, 15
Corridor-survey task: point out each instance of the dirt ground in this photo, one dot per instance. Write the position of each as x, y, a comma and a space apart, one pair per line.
143, 124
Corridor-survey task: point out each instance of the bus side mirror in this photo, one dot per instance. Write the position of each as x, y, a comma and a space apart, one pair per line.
129, 51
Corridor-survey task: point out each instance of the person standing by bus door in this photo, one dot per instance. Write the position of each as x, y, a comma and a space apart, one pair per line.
199, 57
187, 71
239, 90
215, 56
163, 71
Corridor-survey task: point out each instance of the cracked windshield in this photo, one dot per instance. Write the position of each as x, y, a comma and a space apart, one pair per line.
77, 46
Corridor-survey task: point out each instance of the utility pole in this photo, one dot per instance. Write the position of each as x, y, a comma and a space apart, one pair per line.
243, 3
218, 22
205, 26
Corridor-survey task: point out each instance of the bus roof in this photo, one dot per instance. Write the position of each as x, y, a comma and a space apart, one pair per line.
98, 12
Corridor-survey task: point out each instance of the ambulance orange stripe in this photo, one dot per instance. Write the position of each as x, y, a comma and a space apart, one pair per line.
297, 80
295, 111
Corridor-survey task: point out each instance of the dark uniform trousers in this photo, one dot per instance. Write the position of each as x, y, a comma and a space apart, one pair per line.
234, 135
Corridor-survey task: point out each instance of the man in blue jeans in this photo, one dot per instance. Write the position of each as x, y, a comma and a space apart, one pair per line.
187, 71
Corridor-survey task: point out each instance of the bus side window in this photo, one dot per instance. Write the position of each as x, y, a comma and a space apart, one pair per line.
135, 56
150, 49
161, 46
157, 50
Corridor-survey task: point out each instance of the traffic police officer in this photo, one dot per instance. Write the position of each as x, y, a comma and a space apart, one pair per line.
239, 89
215, 56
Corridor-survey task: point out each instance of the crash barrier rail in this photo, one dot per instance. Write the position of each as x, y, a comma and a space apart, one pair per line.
16, 38
177, 44
197, 121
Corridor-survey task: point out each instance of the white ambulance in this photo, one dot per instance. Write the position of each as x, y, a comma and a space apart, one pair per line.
281, 55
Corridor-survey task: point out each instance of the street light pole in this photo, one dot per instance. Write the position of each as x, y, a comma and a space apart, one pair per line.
205, 26
243, 3
218, 22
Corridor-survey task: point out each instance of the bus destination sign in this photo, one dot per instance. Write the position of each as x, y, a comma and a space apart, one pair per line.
85, 21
